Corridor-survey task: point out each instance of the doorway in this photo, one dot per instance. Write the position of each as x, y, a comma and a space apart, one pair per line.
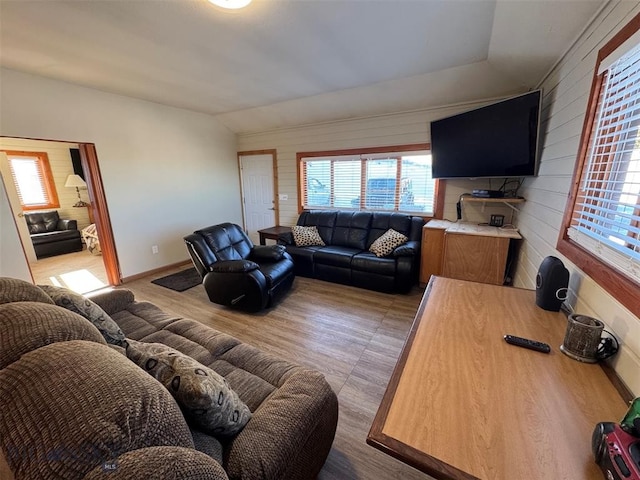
81, 271
258, 176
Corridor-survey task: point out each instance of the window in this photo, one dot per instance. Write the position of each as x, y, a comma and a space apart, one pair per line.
32, 177
601, 230
396, 179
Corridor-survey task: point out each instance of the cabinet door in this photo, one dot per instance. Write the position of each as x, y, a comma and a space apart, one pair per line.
476, 258
432, 250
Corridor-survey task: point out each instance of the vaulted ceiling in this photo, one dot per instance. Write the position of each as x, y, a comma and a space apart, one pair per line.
281, 63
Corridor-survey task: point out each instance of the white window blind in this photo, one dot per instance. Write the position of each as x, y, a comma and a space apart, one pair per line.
29, 181
606, 217
394, 181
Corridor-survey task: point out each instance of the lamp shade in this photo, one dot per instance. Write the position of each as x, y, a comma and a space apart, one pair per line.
75, 181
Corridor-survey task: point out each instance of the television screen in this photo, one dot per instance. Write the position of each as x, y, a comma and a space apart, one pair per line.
499, 140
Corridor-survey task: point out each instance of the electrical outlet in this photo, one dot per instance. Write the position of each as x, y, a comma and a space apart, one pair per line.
283, 197
154, 248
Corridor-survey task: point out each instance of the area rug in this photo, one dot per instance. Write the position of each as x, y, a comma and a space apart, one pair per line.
180, 281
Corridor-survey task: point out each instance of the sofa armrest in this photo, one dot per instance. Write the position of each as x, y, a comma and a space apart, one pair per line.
285, 238
267, 253
234, 266
409, 249
67, 224
306, 409
112, 301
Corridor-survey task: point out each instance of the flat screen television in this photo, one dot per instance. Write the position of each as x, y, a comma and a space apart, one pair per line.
498, 140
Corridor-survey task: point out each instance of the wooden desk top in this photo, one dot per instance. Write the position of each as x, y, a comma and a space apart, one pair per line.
463, 404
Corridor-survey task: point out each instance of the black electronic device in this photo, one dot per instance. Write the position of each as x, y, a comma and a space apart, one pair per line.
616, 452
552, 282
479, 193
498, 140
527, 343
496, 220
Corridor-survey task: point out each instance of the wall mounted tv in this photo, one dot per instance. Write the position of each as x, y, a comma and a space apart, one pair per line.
498, 140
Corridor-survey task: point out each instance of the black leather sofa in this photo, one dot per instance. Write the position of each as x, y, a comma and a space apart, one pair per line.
237, 273
346, 258
52, 235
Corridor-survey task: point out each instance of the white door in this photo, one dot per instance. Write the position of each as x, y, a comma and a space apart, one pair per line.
13, 259
16, 208
258, 197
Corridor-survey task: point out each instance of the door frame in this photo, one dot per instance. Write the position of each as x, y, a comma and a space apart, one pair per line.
276, 198
98, 200
99, 209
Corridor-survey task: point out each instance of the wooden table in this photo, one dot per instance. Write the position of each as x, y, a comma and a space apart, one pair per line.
272, 233
463, 404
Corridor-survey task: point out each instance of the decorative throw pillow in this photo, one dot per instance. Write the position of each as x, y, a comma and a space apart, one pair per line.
306, 236
387, 243
63, 297
205, 397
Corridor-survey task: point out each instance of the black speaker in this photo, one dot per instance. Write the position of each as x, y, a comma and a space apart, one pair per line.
76, 162
551, 282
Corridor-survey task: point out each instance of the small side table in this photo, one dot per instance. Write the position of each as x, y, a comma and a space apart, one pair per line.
272, 233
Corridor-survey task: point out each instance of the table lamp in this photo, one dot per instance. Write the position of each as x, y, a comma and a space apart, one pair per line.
77, 182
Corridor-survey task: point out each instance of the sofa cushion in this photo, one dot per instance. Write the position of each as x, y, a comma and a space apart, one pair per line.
369, 262
15, 290
324, 220
204, 396
88, 309
335, 256
381, 222
351, 230
41, 222
306, 236
69, 407
159, 463
55, 236
387, 243
227, 243
26, 326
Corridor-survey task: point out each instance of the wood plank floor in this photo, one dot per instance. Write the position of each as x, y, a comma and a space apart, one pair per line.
351, 335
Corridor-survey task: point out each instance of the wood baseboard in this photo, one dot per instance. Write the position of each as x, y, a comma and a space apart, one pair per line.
138, 276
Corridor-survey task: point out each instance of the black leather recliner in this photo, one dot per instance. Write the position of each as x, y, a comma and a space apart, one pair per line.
52, 235
237, 273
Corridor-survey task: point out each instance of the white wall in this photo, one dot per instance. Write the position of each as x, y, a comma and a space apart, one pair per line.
566, 93
385, 130
166, 171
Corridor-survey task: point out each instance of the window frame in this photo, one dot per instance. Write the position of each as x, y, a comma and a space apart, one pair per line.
624, 289
439, 186
46, 174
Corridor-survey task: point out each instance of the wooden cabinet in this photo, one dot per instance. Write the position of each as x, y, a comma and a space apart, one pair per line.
465, 251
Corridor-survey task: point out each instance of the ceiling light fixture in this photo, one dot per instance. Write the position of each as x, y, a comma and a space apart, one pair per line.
231, 4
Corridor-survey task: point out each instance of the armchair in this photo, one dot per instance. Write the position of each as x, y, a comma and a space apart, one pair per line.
52, 235
237, 273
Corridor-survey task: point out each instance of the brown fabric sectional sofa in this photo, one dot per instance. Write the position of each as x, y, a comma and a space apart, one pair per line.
72, 406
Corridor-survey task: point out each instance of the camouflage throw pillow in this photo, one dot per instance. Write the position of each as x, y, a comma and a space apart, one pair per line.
204, 396
63, 297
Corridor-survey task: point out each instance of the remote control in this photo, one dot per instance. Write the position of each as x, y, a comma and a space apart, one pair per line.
526, 343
